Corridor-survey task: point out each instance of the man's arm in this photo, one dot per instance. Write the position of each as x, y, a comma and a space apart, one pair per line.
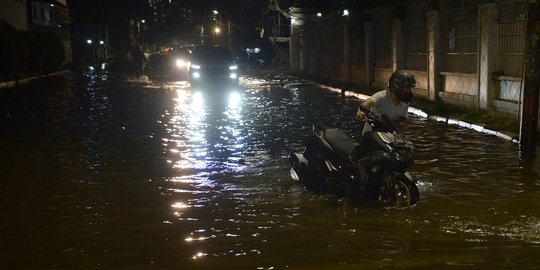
368, 103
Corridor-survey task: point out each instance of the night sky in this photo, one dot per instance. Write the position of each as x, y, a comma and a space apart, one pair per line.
237, 10
245, 16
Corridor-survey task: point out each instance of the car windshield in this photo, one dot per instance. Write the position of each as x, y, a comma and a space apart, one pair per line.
212, 55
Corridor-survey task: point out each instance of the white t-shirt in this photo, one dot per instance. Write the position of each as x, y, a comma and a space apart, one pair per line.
383, 105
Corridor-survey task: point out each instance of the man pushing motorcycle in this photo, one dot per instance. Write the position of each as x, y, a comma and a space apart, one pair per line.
394, 101
373, 168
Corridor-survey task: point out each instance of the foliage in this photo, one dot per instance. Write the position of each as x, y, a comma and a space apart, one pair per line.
8, 51
119, 39
485, 118
23, 56
27, 53
54, 47
35, 51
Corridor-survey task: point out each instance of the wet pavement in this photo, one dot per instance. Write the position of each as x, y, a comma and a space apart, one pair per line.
99, 173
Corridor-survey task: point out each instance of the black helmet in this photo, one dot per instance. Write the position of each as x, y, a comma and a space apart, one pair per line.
398, 80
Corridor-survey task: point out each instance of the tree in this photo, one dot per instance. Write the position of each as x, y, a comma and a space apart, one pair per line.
8, 51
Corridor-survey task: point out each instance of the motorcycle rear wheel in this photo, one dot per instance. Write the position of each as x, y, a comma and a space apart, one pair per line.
398, 191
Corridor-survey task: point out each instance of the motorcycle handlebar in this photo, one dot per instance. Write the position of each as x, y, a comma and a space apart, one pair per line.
364, 109
381, 123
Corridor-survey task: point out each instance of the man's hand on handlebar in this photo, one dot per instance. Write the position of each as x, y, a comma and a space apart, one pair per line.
360, 115
367, 104
401, 122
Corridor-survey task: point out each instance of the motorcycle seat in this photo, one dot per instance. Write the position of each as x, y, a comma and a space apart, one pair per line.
341, 142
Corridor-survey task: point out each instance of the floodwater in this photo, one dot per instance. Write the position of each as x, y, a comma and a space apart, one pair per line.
97, 173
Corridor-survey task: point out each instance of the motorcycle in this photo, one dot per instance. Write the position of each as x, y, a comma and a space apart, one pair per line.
373, 169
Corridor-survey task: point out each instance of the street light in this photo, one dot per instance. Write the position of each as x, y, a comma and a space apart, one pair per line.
140, 30
217, 30
91, 50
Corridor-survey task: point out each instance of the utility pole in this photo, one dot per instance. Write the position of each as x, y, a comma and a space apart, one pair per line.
529, 118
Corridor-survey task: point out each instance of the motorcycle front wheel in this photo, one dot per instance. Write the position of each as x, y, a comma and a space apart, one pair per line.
398, 191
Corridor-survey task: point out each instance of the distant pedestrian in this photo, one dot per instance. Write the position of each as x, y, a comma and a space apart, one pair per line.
139, 60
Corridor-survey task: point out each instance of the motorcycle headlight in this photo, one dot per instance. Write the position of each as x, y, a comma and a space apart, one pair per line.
402, 156
399, 156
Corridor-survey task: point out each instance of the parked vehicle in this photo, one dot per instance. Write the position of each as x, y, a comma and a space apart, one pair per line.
211, 64
374, 169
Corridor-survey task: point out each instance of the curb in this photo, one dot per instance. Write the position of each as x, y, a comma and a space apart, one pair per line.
11, 84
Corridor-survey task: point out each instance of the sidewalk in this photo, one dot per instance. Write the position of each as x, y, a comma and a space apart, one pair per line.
11, 84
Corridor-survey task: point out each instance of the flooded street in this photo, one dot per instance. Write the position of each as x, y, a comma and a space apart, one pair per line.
98, 173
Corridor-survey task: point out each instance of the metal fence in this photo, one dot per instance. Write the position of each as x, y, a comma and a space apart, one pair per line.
336, 50
382, 29
415, 39
358, 46
512, 38
459, 46
459, 36
327, 48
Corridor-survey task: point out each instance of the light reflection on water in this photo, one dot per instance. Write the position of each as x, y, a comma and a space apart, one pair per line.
257, 226
147, 175
206, 127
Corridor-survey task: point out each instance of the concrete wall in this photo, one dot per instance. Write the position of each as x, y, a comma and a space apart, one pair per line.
365, 51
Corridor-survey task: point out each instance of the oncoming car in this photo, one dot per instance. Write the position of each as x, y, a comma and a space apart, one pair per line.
212, 64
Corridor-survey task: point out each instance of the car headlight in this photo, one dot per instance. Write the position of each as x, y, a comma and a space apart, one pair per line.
195, 66
234, 67
181, 63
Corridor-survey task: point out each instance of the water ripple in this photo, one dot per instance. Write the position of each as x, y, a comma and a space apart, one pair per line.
100, 173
